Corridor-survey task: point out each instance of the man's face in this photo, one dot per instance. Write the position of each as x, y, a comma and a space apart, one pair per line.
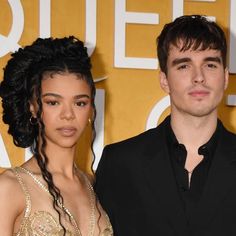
195, 81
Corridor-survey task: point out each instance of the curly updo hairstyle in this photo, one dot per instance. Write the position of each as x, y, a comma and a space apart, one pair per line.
21, 84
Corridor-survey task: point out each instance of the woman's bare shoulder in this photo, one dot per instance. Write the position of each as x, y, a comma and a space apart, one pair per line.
10, 186
7, 180
10, 189
12, 200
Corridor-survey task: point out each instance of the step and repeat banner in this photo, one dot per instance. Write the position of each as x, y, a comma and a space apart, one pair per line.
120, 36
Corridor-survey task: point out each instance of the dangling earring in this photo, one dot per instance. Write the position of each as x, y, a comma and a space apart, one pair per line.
33, 120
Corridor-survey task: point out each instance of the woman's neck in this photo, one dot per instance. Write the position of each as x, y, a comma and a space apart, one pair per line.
61, 160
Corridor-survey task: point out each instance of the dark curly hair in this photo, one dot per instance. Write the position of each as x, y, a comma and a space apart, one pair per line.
196, 32
21, 84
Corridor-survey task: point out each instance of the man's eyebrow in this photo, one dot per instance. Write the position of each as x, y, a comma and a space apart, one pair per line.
178, 61
215, 59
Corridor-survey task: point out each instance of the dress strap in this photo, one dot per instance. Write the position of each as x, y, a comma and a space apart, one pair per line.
23, 225
89, 186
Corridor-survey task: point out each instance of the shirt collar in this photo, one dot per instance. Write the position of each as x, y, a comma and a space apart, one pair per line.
207, 149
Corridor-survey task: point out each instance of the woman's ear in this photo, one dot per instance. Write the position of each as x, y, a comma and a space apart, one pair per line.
164, 82
92, 114
33, 110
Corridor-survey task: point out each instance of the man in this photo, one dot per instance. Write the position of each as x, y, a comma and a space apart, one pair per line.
180, 178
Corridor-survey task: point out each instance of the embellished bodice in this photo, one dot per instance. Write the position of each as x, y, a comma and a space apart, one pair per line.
38, 222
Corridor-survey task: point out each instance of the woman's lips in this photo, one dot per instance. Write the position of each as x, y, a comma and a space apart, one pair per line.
67, 131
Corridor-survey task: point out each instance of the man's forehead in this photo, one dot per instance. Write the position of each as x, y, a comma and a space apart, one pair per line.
180, 47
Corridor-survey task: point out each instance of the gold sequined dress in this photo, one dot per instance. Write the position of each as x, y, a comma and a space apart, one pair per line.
44, 222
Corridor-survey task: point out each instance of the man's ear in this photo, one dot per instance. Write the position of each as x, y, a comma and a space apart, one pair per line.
164, 82
226, 78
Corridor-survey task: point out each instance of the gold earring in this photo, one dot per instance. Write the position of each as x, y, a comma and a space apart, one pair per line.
89, 120
33, 120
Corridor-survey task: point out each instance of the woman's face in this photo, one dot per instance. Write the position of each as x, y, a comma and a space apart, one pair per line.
66, 108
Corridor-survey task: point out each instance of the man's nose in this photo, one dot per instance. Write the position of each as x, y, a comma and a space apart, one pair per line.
198, 76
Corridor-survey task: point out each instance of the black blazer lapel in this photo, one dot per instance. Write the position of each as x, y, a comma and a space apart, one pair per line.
160, 178
222, 176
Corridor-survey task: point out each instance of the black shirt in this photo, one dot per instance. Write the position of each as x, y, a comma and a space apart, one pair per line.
190, 193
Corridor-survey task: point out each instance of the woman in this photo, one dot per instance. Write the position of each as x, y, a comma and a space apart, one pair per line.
48, 99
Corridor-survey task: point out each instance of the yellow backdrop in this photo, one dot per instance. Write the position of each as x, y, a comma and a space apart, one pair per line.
130, 93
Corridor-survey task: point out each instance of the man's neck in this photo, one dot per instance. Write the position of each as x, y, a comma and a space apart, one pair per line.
193, 131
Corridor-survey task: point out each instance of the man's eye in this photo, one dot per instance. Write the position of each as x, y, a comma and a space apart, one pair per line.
182, 67
211, 65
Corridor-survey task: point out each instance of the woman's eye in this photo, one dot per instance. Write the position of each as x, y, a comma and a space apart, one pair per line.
80, 103
52, 103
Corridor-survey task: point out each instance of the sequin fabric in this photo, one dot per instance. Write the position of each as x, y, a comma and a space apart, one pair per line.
43, 223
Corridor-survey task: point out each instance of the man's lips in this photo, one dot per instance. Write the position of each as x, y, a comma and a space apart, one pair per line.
199, 93
67, 131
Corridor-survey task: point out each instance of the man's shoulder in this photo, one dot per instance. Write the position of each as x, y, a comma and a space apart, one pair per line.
137, 138
141, 140
227, 135
130, 149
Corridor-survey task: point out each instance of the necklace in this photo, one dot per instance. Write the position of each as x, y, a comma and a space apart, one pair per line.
92, 201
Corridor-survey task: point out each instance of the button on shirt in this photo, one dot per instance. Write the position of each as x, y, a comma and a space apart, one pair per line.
190, 193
